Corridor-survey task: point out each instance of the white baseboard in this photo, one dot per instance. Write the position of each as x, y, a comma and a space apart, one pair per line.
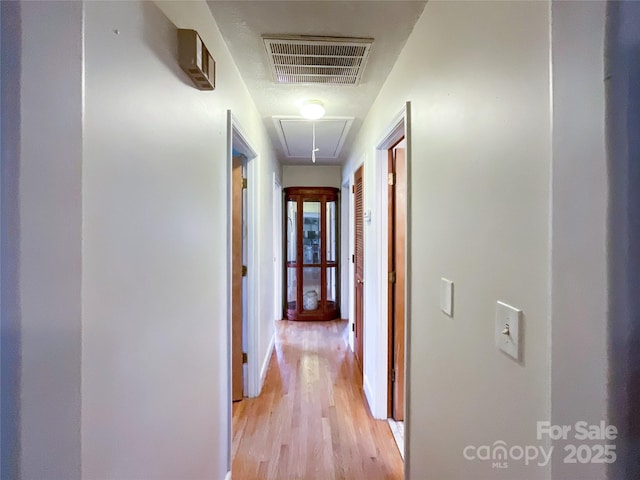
228, 475
245, 378
369, 394
266, 360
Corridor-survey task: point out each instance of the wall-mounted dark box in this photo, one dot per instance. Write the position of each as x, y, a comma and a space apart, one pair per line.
195, 59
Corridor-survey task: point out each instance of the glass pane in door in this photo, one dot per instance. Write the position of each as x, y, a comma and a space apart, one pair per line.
331, 284
311, 232
292, 222
311, 288
331, 231
292, 288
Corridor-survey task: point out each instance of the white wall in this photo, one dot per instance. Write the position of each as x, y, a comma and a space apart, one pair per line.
155, 359
345, 252
118, 238
477, 77
264, 243
579, 238
50, 216
311, 176
278, 223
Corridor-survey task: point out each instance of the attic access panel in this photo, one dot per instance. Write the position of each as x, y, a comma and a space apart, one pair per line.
296, 136
305, 60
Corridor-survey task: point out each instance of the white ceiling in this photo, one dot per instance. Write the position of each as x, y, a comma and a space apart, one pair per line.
243, 23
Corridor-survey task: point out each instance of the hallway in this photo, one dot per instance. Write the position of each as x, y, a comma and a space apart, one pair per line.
116, 248
311, 421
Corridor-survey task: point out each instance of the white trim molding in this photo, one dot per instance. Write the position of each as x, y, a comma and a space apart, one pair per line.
266, 360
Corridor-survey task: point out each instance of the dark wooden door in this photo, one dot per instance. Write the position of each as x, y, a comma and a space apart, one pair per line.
358, 202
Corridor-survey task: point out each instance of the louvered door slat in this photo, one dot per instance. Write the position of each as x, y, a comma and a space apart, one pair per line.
358, 202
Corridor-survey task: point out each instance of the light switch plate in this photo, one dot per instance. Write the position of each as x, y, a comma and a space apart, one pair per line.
507, 329
446, 296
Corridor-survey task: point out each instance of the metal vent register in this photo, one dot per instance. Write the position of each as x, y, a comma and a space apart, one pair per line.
317, 60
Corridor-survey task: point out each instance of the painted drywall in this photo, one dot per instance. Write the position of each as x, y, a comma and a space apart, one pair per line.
477, 77
44, 158
345, 254
155, 360
578, 235
311, 176
196, 15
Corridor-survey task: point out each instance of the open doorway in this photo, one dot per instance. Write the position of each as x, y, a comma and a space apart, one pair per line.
393, 290
396, 228
244, 368
396, 255
238, 274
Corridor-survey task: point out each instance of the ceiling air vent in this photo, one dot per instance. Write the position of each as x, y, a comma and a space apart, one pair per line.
305, 60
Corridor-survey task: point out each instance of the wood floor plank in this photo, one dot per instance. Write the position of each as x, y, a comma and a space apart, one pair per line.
311, 421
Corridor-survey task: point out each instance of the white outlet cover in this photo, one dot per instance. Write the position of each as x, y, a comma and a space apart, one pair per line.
446, 296
510, 342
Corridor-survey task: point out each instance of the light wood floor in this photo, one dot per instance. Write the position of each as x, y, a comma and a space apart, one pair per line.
311, 421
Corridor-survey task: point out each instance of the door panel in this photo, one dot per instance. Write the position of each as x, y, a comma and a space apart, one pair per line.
399, 242
236, 280
358, 202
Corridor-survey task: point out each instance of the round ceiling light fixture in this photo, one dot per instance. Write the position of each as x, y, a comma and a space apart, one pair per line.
312, 109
